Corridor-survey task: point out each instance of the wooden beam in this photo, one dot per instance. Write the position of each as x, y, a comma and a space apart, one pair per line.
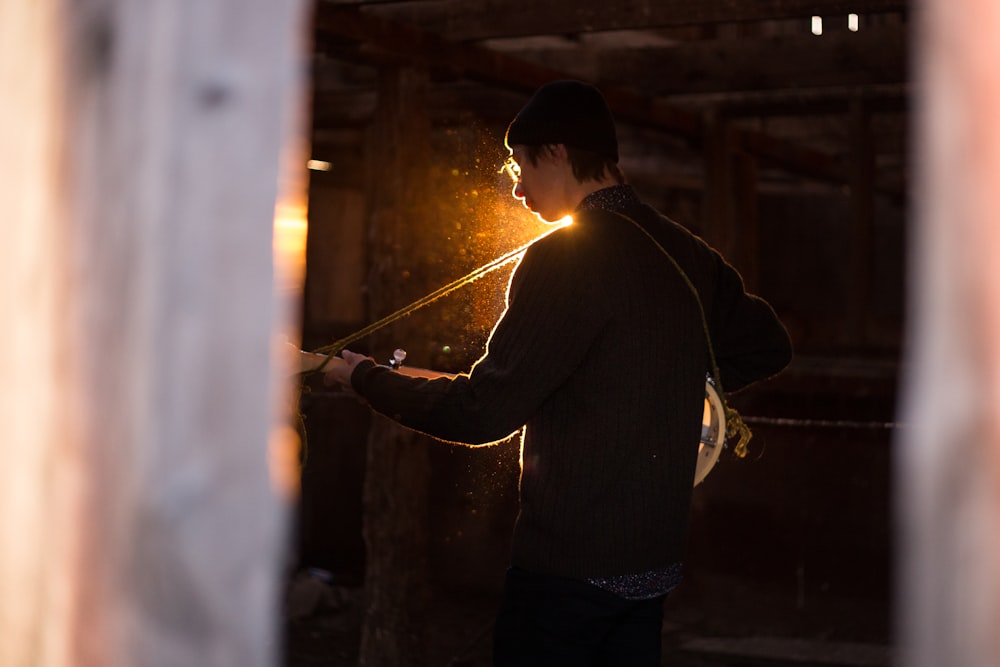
862, 187
717, 201
465, 21
746, 218
792, 157
385, 41
389, 41
845, 59
892, 99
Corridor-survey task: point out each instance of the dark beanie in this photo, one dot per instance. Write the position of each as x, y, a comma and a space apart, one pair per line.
566, 112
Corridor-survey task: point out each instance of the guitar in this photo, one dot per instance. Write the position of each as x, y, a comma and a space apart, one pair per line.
713, 418
310, 362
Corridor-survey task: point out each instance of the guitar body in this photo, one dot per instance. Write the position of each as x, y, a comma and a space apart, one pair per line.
713, 433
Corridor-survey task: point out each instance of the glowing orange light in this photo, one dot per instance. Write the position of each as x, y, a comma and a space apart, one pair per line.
288, 247
290, 232
283, 460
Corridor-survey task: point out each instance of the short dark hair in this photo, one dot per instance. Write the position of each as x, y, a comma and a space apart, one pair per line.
587, 165
568, 112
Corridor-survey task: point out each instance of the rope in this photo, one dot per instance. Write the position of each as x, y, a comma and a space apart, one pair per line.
825, 423
784, 422
337, 346
736, 428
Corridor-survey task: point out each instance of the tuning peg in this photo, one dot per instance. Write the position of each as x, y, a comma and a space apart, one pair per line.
397, 358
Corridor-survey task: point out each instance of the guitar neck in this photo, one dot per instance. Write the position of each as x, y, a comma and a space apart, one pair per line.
310, 362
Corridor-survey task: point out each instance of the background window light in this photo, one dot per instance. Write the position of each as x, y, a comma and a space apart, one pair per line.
852, 22
817, 25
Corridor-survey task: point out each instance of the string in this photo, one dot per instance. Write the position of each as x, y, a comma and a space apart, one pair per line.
736, 428
334, 348
337, 346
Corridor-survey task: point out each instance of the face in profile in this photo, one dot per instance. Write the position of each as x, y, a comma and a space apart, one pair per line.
536, 184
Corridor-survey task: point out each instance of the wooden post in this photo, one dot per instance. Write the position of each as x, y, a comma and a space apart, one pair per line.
730, 198
395, 494
746, 219
717, 203
41, 466
862, 187
139, 524
949, 457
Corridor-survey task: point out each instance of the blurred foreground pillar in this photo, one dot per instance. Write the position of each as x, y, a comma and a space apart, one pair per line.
139, 524
949, 458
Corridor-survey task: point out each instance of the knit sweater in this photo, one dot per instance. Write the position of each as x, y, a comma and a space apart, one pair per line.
601, 355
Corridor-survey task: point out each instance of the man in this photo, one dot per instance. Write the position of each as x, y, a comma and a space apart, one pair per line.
602, 354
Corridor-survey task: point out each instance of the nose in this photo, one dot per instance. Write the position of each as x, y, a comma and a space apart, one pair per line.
518, 191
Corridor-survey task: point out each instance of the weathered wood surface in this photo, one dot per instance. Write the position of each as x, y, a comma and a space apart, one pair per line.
517, 18
141, 142
396, 471
949, 461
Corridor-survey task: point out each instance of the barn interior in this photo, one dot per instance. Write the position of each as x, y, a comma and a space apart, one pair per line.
775, 130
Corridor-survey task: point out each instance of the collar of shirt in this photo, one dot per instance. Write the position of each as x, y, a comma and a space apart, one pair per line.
613, 198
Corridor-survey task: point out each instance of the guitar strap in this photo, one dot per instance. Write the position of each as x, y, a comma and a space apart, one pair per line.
736, 428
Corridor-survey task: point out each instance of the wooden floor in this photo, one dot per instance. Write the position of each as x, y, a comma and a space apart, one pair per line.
714, 622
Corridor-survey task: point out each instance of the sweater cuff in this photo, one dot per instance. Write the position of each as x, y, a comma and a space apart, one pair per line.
359, 372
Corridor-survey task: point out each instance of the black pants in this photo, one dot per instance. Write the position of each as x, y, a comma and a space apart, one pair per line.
554, 621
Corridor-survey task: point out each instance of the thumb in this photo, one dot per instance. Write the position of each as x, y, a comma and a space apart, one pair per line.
353, 358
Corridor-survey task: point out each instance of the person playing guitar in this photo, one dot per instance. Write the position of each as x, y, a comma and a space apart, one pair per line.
611, 326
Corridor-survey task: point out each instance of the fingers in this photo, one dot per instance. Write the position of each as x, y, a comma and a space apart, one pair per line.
339, 369
353, 358
338, 372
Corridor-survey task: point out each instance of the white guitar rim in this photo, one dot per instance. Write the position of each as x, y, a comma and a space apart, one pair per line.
713, 434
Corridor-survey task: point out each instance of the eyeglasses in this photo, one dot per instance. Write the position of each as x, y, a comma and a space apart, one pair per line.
511, 168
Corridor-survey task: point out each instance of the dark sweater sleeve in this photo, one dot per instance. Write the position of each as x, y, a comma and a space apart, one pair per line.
749, 340
546, 329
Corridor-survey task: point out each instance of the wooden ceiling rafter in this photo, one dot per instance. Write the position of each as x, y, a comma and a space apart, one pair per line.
490, 19
383, 40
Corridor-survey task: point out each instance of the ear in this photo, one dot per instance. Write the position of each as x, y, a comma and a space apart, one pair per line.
559, 152
553, 153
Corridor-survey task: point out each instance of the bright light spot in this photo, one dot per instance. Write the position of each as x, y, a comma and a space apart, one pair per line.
852, 22
290, 231
565, 221
283, 450
817, 25
319, 165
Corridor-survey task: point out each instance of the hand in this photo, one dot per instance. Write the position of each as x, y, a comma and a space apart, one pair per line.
307, 362
339, 369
